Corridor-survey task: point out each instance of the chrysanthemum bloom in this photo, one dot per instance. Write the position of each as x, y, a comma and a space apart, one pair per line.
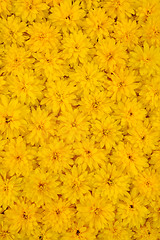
88, 77
18, 157
143, 136
151, 31
73, 126
115, 231
117, 8
75, 184
44, 232
151, 90
55, 155
12, 117
89, 155
155, 160
60, 95
127, 32
145, 59
95, 211
122, 85
107, 132
59, 215
95, 103
68, 15
49, 63
23, 217
154, 215
147, 184
79, 230
129, 158
42, 36
111, 183
76, 47
132, 211
5, 231
147, 232
29, 10
98, 24
12, 30
40, 126
130, 112
110, 54
147, 9
15, 59
10, 189
26, 87
41, 187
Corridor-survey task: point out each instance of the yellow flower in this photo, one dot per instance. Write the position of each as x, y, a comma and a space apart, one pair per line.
130, 112
67, 15
29, 10
155, 160
117, 8
12, 30
60, 95
58, 215
95, 211
122, 85
88, 76
127, 32
88, 154
147, 9
115, 231
147, 183
12, 117
18, 157
10, 189
79, 230
98, 24
145, 59
73, 125
143, 136
15, 59
5, 231
151, 91
26, 87
110, 54
75, 184
42, 36
147, 232
44, 232
129, 158
49, 63
106, 132
55, 155
132, 211
41, 187
151, 31
111, 183
95, 103
154, 215
23, 217
76, 47
40, 126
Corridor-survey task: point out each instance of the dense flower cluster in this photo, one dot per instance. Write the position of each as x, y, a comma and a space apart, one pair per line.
79, 119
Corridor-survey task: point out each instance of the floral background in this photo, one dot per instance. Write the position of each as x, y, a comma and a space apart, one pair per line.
80, 119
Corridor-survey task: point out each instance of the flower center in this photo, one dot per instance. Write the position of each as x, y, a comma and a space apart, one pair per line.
8, 119
78, 232
25, 216
95, 105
